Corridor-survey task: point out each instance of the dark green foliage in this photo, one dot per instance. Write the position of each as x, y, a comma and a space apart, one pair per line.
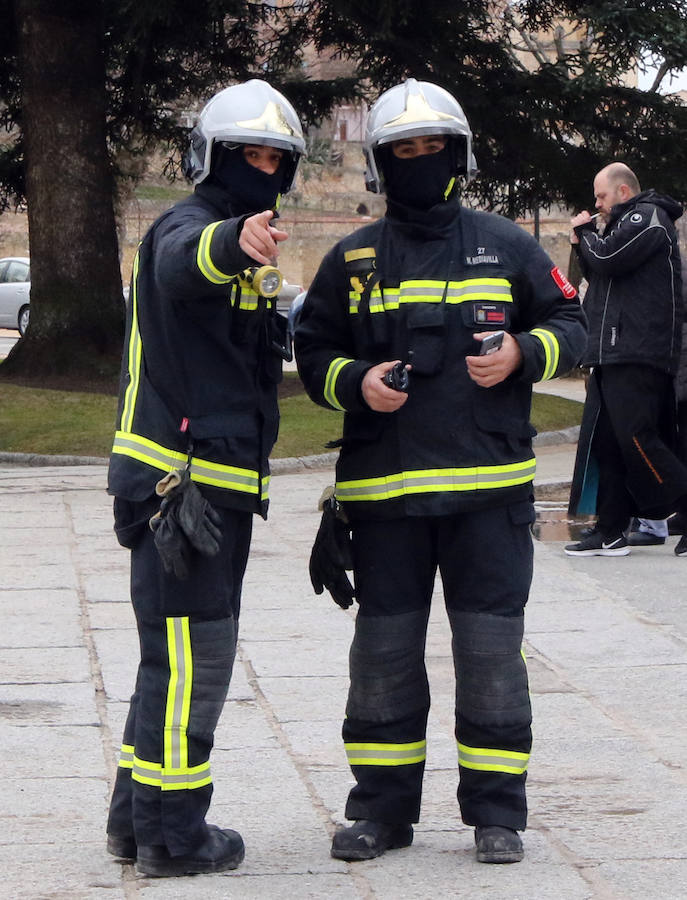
540, 135
164, 57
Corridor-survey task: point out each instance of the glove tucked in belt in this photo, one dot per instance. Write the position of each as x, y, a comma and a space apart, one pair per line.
331, 553
185, 522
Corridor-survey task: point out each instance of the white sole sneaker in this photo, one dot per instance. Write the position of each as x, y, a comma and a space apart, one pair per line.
601, 551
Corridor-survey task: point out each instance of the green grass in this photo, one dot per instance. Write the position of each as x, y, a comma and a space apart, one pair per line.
45, 421
162, 193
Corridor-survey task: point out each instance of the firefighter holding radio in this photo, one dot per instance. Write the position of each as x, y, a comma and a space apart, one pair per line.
197, 419
435, 468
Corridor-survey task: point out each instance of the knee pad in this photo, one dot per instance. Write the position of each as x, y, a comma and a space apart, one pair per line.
387, 667
491, 675
213, 648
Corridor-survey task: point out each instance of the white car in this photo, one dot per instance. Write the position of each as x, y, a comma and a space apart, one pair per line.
15, 286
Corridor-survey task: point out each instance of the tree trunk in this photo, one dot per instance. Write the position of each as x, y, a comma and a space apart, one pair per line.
77, 309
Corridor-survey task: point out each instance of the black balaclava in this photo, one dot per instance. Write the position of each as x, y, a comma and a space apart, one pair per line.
420, 182
249, 189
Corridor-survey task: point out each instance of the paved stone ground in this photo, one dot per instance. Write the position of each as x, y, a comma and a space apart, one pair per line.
606, 643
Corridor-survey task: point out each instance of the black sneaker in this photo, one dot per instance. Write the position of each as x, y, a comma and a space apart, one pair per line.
681, 546
222, 849
677, 524
595, 545
366, 839
644, 539
496, 844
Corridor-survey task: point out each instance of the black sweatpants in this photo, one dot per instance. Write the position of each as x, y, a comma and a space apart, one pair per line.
485, 561
634, 444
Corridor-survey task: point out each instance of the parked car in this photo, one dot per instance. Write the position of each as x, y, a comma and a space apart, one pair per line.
295, 312
287, 293
15, 286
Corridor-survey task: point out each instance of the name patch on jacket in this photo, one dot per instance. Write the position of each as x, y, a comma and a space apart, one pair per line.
481, 257
489, 313
564, 285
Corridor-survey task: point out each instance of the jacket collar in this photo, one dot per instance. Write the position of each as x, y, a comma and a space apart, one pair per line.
435, 223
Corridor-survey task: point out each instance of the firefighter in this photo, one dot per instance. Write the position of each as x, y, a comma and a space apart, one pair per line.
435, 468
197, 419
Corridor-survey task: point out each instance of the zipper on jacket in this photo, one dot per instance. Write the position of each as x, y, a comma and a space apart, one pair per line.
603, 323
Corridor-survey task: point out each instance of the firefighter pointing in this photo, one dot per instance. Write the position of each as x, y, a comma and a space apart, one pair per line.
196, 422
435, 469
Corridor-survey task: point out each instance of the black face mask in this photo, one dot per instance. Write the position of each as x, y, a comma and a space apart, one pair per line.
419, 182
249, 189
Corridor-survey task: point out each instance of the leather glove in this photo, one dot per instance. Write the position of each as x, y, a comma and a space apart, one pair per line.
171, 542
331, 553
185, 522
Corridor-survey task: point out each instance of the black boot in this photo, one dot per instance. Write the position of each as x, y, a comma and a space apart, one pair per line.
222, 849
496, 844
121, 847
366, 839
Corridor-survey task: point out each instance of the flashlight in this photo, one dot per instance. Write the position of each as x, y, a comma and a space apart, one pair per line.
265, 280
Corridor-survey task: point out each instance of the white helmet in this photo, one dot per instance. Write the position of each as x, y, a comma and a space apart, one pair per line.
411, 109
248, 113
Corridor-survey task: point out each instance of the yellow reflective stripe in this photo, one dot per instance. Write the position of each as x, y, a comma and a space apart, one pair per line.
178, 692
421, 481
422, 291
134, 356
204, 260
126, 756
202, 470
449, 187
488, 760
147, 451
551, 351
364, 754
333, 373
250, 299
362, 253
168, 779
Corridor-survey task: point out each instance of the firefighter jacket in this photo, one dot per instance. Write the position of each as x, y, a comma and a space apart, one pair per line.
199, 376
634, 300
416, 287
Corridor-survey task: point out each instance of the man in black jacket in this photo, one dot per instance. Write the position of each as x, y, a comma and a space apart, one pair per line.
625, 461
435, 470
196, 422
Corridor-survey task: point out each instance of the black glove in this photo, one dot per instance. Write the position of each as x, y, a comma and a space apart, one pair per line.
171, 542
185, 522
331, 554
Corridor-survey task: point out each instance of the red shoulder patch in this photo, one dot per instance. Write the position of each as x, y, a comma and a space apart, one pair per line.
566, 288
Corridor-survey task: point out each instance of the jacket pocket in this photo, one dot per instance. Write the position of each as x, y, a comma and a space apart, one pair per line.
427, 338
497, 411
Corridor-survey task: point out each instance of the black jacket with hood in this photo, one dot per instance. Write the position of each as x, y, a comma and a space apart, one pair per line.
634, 300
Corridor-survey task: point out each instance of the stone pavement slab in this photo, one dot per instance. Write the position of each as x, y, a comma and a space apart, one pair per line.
606, 644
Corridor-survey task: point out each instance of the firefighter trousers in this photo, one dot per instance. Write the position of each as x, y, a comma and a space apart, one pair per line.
187, 634
485, 561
